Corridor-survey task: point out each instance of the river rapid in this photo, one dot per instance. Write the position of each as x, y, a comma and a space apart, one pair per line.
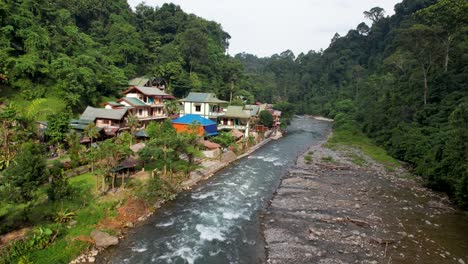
218, 221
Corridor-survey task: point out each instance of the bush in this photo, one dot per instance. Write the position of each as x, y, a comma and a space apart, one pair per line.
225, 139
26, 174
59, 187
266, 118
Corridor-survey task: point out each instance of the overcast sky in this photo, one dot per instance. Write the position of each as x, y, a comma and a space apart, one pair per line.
266, 27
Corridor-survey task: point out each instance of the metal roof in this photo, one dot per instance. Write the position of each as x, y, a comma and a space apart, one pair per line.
149, 91
254, 109
139, 81
133, 101
92, 113
202, 98
236, 111
193, 119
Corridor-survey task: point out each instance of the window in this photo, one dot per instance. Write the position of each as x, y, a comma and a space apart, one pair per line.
140, 112
197, 108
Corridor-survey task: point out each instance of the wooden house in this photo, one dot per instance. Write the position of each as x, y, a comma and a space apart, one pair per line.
236, 117
203, 104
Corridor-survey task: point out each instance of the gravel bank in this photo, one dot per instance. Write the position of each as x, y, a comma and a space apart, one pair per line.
329, 210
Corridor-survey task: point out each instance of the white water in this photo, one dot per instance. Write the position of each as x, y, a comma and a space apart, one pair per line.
218, 221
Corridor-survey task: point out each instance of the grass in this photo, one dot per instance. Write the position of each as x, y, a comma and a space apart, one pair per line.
329, 159
360, 141
356, 159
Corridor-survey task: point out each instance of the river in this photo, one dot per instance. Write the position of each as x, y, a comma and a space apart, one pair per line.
218, 221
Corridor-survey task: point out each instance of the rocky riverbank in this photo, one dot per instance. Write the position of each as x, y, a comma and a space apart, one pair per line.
330, 210
135, 211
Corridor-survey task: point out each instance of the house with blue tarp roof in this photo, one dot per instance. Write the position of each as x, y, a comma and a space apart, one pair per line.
203, 126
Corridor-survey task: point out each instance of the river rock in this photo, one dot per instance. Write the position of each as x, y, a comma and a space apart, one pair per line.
103, 239
228, 156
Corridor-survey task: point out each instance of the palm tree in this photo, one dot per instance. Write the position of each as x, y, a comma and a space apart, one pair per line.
133, 123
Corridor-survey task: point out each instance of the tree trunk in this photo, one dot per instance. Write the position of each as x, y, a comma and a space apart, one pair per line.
426, 88
113, 181
447, 51
232, 89
122, 181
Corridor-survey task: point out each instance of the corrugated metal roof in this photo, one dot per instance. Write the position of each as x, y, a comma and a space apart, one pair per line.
202, 98
254, 109
92, 113
236, 111
193, 119
133, 101
113, 103
139, 81
150, 91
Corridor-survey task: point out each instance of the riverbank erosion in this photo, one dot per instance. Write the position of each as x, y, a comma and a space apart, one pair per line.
340, 206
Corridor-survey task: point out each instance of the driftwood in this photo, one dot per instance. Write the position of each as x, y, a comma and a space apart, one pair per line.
357, 222
382, 241
334, 167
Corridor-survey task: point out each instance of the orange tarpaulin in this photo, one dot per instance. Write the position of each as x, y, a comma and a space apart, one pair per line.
183, 127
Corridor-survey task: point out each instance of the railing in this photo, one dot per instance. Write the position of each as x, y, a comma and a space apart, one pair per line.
216, 114
239, 127
152, 117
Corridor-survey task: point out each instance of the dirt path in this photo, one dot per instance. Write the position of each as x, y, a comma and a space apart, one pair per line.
329, 210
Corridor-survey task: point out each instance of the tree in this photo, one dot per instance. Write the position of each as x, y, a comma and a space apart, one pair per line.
266, 118
421, 42
133, 123
27, 173
92, 132
449, 17
58, 126
375, 14
7, 132
363, 28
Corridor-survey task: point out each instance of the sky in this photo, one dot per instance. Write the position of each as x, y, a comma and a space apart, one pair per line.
267, 27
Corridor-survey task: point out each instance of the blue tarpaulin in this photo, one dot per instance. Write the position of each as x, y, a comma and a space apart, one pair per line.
210, 127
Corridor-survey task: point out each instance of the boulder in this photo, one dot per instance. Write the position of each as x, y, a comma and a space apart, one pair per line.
103, 239
228, 156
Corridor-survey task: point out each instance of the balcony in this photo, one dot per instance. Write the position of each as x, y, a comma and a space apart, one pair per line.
238, 127
154, 117
216, 114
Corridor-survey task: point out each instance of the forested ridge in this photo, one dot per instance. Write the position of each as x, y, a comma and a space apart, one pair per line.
82, 50
402, 80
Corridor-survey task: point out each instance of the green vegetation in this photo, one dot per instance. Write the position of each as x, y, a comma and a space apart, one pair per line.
328, 159
266, 118
400, 81
360, 141
60, 246
225, 139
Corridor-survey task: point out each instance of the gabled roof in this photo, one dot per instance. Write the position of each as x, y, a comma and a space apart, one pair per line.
202, 98
254, 109
92, 113
132, 101
113, 103
236, 111
139, 81
151, 91
193, 119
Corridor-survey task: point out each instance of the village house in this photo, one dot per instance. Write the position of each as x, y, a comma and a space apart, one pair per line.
203, 104
236, 117
110, 120
146, 103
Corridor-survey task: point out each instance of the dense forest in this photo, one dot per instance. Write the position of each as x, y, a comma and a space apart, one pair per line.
84, 50
402, 80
